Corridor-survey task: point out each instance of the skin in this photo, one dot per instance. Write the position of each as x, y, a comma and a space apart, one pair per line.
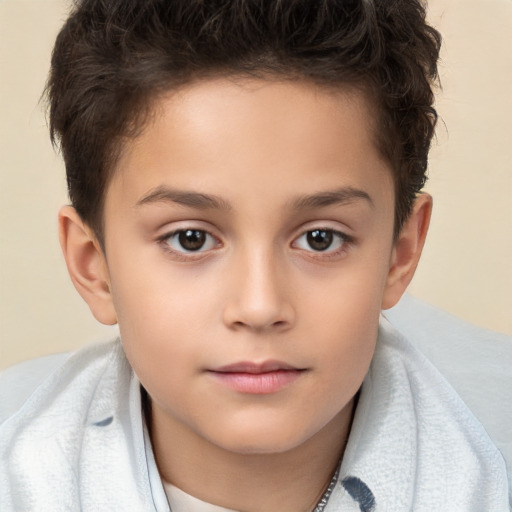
277, 161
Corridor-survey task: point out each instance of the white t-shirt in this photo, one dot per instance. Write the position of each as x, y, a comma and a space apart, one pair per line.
180, 501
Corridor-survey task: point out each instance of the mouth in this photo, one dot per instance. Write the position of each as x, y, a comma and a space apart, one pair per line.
257, 378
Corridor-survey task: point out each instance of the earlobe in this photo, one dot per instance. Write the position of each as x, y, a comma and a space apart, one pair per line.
86, 264
407, 250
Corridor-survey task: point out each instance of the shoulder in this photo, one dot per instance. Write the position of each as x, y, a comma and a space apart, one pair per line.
436, 332
412, 434
476, 362
18, 382
84, 414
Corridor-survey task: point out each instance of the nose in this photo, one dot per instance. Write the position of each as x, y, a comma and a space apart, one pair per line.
259, 296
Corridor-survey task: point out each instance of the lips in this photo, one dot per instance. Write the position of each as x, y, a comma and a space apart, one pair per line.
255, 368
257, 378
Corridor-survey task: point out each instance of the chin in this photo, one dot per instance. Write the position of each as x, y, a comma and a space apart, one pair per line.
261, 448
260, 441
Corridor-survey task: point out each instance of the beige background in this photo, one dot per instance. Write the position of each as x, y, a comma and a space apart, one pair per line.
466, 267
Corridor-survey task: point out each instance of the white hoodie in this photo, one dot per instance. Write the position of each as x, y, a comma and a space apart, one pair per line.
78, 443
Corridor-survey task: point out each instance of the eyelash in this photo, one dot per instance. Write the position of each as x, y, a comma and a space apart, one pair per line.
344, 240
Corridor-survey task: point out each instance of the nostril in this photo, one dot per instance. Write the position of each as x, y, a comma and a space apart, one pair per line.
279, 324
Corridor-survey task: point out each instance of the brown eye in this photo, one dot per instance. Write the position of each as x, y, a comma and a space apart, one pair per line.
324, 240
190, 240
320, 239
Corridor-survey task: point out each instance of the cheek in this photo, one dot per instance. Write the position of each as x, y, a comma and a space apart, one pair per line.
163, 317
349, 335
348, 299
347, 319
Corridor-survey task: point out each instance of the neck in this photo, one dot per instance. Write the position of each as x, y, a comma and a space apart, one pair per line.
289, 481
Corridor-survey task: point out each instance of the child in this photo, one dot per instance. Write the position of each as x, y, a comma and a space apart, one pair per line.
245, 182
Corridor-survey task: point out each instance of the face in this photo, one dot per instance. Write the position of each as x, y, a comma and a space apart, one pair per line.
248, 240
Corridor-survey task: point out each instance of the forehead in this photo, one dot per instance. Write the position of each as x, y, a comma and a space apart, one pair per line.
230, 135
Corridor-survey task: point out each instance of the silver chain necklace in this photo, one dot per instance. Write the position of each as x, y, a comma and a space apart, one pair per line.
327, 494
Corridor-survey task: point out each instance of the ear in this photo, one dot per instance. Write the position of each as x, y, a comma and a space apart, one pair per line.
407, 250
86, 264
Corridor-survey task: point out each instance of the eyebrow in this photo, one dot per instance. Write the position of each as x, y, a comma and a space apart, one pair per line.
188, 198
332, 197
162, 194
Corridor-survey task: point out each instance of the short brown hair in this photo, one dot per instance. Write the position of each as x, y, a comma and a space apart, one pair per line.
113, 57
